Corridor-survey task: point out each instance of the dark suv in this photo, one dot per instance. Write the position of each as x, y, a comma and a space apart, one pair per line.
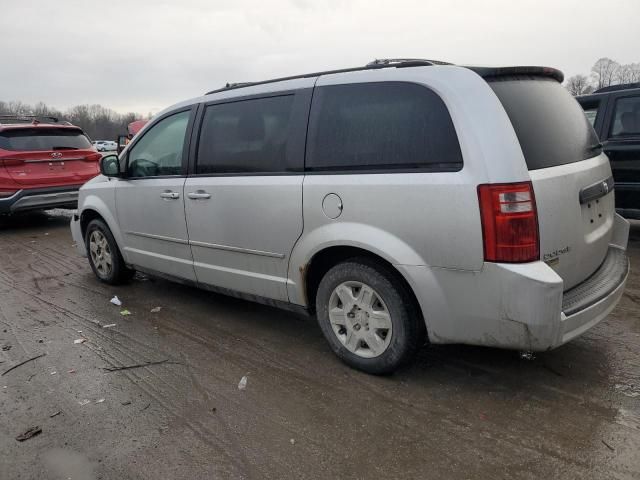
43, 163
615, 114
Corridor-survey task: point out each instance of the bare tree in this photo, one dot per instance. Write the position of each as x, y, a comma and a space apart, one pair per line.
623, 74
578, 85
634, 74
97, 121
604, 72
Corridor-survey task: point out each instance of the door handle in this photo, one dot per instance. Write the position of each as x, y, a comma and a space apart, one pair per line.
199, 195
169, 195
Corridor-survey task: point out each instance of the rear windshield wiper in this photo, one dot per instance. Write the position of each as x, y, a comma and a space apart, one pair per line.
65, 148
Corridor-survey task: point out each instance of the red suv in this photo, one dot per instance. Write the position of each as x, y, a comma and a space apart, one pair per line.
43, 163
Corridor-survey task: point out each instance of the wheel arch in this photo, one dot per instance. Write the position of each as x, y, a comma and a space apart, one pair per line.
324, 259
95, 208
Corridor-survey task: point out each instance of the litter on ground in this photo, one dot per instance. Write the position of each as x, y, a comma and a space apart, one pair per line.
243, 383
125, 312
79, 340
22, 363
109, 325
116, 301
156, 309
82, 403
32, 432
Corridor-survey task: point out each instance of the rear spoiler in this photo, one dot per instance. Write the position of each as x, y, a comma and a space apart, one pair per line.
493, 72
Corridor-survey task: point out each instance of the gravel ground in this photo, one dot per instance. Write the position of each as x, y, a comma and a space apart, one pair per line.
457, 412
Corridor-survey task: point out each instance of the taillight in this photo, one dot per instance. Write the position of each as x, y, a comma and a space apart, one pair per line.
93, 157
11, 162
509, 222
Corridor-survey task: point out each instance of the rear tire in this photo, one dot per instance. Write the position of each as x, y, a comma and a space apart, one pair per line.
368, 316
104, 255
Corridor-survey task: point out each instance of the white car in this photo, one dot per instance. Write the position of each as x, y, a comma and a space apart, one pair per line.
110, 146
402, 202
99, 145
105, 145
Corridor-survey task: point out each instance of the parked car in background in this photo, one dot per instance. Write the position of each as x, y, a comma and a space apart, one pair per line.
99, 145
410, 200
132, 130
43, 163
105, 145
615, 114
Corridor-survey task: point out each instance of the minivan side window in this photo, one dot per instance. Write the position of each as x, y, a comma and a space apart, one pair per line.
381, 126
159, 152
246, 136
626, 117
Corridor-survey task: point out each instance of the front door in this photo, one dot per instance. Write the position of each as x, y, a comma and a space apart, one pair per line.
150, 200
244, 201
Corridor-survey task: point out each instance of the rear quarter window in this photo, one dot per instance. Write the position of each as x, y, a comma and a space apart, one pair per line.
43, 139
381, 126
551, 126
626, 117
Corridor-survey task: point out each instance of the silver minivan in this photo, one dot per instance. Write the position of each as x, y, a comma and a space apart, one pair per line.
404, 202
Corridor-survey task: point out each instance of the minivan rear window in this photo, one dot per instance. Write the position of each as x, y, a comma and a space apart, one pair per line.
43, 139
550, 124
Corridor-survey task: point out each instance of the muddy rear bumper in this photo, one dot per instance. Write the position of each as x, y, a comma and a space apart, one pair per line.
518, 306
40, 198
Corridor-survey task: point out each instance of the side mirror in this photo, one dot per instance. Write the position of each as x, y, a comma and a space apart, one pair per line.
110, 166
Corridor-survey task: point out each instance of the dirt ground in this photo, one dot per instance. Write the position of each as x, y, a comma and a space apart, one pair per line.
458, 412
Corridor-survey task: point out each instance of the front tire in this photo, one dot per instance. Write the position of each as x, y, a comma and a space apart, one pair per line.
368, 316
104, 255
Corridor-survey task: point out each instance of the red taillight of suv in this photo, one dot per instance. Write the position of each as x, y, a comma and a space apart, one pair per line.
509, 222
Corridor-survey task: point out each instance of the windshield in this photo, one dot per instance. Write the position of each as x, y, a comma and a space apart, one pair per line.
43, 139
550, 124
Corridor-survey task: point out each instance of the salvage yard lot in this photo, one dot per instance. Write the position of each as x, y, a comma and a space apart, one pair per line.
457, 412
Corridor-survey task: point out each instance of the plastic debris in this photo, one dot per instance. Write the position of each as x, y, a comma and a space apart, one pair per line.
125, 312
82, 403
32, 432
79, 340
55, 414
54, 373
109, 325
243, 383
156, 309
116, 301
100, 400
527, 356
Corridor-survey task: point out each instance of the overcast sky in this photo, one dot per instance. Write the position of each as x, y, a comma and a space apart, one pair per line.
143, 55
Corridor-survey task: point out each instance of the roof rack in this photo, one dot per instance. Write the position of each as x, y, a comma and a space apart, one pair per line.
35, 119
375, 64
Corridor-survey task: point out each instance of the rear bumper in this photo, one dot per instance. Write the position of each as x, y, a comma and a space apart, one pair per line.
40, 198
518, 306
